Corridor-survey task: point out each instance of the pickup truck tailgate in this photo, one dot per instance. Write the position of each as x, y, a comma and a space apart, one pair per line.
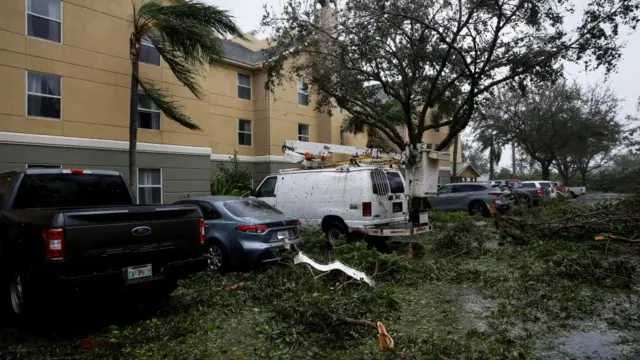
112, 239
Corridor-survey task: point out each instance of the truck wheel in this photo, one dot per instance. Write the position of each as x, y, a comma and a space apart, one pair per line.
335, 232
23, 298
217, 257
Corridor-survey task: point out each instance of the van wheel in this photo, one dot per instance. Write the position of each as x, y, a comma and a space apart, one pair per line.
335, 232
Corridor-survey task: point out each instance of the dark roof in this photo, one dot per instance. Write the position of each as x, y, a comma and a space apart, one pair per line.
236, 52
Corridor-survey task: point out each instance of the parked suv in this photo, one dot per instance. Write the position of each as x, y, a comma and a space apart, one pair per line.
470, 197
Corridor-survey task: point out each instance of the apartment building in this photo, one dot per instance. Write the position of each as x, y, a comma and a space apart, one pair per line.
64, 102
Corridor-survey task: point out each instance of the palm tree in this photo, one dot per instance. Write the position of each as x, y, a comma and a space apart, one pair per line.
376, 139
186, 34
489, 140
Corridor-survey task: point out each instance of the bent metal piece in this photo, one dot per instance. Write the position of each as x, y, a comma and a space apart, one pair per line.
335, 265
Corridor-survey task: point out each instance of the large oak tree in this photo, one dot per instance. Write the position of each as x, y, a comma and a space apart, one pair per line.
434, 58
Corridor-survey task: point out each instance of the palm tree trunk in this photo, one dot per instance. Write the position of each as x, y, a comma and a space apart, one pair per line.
133, 130
513, 157
454, 163
492, 159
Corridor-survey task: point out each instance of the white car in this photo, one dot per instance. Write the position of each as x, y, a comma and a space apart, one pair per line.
547, 186
368, 200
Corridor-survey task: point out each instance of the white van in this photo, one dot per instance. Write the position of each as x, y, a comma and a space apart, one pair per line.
368, 200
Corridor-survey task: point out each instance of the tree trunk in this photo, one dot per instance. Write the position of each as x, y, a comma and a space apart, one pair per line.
492, 159
583, 177
513, 158
133, 129
371, 137
545, 171
454, 163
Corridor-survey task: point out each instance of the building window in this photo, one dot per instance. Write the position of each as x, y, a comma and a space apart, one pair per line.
149, 186
303, 93
148, 52
244, 132
303, 132
44, 97
148, 113
44, 19
244, 86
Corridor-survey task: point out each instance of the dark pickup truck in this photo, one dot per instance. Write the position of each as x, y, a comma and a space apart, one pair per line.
72, 229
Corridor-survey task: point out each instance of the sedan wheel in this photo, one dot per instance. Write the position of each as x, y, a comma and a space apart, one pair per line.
215, 257
17, 295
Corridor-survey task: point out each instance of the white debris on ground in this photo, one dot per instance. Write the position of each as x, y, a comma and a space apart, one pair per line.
335, 265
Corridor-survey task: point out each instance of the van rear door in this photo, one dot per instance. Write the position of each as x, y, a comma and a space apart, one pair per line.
391, 202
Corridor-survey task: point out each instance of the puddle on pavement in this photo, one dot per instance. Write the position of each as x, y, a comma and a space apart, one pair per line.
592, 343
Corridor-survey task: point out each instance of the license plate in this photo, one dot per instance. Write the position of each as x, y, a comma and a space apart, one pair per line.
424, 218
139, 272
283, 235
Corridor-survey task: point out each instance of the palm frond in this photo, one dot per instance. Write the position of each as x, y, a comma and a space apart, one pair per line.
172, 109
187, 36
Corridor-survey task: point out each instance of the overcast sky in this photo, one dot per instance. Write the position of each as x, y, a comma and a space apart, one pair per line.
626, 82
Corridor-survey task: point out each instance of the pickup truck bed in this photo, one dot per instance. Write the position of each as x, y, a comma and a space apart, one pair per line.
66, 230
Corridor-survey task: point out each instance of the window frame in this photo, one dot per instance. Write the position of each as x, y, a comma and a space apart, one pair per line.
149, 111
238, 85
27, 93
299, 90
150, 44
26, 22
238, 132
300, 135
149, 186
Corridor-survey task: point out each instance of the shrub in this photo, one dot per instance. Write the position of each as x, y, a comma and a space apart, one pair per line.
233, 180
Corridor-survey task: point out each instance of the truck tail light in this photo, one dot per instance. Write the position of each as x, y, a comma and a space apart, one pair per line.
53, 244
366, 209
540, 192
298, 224
253, 229
76, 171
202, 234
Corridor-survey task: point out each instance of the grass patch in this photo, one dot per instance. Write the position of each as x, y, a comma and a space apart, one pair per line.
451, 297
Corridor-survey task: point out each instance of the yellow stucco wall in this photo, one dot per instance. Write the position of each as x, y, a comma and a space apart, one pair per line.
93, 63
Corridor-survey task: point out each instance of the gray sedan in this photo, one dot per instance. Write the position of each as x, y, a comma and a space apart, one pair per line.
469, 197
241, 232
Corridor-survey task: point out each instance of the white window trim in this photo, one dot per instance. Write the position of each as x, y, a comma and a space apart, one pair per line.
250, 87
302, 135
245, 132
149, 111
26, 22
150, 186
300, 91
149, 44
27, 93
